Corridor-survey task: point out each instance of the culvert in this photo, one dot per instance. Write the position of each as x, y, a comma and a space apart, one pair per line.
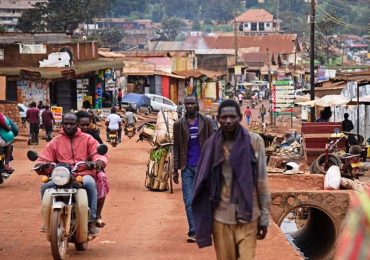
316, 238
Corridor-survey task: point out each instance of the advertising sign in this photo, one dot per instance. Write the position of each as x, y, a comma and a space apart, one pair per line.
32, 49
282, 97
57, 113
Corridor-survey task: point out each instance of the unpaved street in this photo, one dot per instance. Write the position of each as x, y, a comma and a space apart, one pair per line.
140, 224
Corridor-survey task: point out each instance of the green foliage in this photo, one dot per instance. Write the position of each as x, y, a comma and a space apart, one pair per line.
196, 25
112, 38
61, 16
122, 8
171, 26
2, 29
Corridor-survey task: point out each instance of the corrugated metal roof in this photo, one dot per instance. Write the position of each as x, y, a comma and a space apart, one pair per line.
276, 43
197, 73
166, 46
255, 15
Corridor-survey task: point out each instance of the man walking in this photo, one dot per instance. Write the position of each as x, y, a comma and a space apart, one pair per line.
120, 95
33, 117
248, 115
190, 133
48, 121
262, 113
231, 199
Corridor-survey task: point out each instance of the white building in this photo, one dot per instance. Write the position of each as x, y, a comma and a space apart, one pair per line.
11, 11
257, 22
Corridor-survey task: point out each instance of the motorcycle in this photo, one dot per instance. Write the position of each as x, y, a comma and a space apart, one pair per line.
64, 209
113, 137
130, 130
3, 173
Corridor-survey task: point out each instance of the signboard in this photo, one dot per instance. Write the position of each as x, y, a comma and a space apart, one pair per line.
32, 49
1, 54
238, 70
207, 103
57, 113
282, 96
28, 91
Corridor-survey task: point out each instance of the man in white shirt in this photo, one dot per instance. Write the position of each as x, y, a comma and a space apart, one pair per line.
240, 98
114, 123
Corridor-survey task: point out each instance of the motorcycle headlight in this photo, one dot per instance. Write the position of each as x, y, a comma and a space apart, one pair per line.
60, 176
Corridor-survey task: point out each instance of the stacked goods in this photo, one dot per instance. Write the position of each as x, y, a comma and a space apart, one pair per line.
164, 127
158, 169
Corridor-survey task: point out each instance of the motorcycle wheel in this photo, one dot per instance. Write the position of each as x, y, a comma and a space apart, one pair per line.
58, 240
332, 160
81, 246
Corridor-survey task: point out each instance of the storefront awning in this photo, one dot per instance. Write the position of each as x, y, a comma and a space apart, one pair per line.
84, 67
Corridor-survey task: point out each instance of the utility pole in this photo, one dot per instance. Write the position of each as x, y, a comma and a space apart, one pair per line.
312, 57
270, 85
236, 53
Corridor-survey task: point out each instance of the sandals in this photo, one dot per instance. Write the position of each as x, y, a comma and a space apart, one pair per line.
100, 223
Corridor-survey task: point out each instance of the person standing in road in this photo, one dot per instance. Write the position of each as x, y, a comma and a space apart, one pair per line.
262, 113
231, 198
47, 121
240, 98
33, 117
119, 98
248, 115
190, 133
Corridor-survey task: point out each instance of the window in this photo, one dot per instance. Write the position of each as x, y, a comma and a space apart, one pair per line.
167, 102
158, 99
267, 24
253, 26
261, 26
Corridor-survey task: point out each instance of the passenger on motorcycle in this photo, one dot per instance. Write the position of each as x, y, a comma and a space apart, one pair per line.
129, 116
102, 185
8, 130
114, 123
72, 146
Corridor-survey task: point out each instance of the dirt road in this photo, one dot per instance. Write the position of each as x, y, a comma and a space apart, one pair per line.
140, 224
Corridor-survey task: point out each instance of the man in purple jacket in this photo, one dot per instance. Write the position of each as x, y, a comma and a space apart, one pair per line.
190, 133
231, 199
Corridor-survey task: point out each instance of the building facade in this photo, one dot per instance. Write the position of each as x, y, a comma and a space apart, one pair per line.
257, 22
11, 11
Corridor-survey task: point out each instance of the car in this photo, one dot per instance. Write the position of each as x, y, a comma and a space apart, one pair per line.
161, 102
22, 111
137, 101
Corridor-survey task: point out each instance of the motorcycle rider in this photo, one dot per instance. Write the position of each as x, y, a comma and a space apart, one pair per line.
72, 146
114, 123
129, 116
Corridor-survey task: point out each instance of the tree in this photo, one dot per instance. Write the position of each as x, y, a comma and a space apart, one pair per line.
34, 20
196, 25
112, 37
171, 26
61, 16
126, 7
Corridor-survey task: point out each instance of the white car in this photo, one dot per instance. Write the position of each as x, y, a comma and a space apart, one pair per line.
158, 102
22, 111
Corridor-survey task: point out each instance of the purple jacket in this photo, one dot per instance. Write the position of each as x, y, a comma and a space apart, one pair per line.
208, 185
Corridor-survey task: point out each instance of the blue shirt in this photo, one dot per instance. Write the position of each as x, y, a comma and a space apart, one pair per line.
193, 144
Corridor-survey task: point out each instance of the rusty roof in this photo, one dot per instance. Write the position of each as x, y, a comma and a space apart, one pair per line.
197, 73
276, 43
255, 15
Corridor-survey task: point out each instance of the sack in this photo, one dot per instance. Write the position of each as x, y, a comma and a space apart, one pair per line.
158, 169
164, 127
332, 178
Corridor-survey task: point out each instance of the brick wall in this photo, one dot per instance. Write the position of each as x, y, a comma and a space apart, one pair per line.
10, 109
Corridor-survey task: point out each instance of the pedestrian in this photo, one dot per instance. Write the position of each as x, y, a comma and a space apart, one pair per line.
120, 95
40, 105
180, 110
248, 115
240, 98
33, 118
190, 133
231, 199
47, 122
262, 113
347, 125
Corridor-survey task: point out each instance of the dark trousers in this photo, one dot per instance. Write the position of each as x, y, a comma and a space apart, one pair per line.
34, 132
119, 102
48, 131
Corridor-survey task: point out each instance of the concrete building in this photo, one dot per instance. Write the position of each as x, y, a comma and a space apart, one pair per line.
257, 22
11, 11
